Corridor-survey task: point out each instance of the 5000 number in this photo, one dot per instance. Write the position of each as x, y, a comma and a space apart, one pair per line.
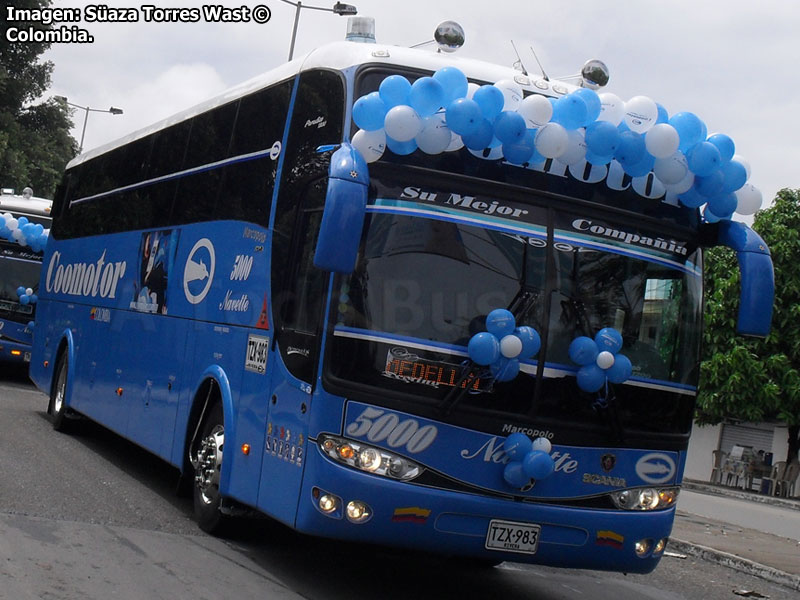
379, 426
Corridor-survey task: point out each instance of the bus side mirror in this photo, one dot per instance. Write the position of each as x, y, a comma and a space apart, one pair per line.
757, 282
343, 216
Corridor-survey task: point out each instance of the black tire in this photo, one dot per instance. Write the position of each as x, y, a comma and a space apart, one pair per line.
206, 460
58, 397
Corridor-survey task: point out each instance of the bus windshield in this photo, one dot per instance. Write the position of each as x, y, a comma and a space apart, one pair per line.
435, 262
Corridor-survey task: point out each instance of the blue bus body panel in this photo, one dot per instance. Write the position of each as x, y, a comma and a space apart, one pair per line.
15, 336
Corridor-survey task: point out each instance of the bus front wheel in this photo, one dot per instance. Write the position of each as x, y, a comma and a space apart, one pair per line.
58, 397
206, 459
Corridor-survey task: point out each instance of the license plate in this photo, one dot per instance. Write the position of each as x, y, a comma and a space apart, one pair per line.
513, 537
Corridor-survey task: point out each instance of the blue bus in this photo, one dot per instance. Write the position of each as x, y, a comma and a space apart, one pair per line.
20, 263
239, 291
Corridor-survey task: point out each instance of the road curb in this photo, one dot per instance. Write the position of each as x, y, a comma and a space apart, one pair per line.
696, 486
736, 562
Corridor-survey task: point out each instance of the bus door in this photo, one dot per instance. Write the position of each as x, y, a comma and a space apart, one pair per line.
298, 292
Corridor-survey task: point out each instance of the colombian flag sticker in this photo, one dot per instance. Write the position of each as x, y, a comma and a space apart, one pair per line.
609, 538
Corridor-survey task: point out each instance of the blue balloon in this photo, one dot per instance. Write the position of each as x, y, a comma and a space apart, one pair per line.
22, 221
710, 185
692, 198
30, 324
20, 291
621, 370
509, 127
690, 129
583, 350
724, 144
663, 115
519, 153
531, 342
734, 175
401, 148
591, 378
34, 298
710, 217
598, 159
394, 91
426, 96
631, 148
703, 158
505, 369
571, 112
500, 322
643, 167
491, 101
24, 299
593, 103
453, 81
602, 138
463, 116
723, 205
369, 112
517, 445
484, 348
481, 137
538, 464
609, 339
515, 476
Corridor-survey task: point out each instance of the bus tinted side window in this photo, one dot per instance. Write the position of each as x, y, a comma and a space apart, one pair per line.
317, 119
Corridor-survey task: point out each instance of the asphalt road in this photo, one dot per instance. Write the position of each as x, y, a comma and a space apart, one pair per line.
90, 516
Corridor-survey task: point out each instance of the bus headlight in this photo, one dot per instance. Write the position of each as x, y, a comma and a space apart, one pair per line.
645, 498
368, 458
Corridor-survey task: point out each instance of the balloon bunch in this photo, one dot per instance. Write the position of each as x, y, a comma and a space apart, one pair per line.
445, 112
502, 345
26, 295
25, 233
599, 360
529, 459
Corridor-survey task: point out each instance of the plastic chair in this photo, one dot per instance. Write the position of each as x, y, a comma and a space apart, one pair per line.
776, 475
785, 485
716, 471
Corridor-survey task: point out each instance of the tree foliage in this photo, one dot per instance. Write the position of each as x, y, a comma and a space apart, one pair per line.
746, 378
35, 143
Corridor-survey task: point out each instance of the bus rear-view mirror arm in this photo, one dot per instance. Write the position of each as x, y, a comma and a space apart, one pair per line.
757, 281
343, 215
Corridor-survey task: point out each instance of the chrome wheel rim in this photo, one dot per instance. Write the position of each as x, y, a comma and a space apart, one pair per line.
208, 464
61, 386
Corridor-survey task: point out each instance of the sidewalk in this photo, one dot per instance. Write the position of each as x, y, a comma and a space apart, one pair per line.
764, 555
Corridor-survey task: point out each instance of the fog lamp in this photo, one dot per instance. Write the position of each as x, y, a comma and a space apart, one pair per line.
660, 545
327, 503
358, 512
642, 548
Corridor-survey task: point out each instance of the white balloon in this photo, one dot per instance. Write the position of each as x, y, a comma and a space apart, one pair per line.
12, 223
745, 164
536, 110
29, 291
749, 198
682, 186
510, 346
662, 140
612, 109
371, 144
456, 143
672, 169
641, 113
471, 89
576, 148
605, 359
17, 234
542, 444
402, 123
552, 140
435, 136
512, 93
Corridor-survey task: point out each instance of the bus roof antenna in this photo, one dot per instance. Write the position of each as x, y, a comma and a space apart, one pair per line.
518, 63
541, 68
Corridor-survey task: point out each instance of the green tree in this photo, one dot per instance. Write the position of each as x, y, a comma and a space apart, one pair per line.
742, 377
35, 143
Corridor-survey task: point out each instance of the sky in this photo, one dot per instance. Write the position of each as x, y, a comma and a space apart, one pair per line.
731, 62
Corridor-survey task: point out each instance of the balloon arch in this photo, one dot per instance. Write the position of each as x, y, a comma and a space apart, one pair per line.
445, 112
